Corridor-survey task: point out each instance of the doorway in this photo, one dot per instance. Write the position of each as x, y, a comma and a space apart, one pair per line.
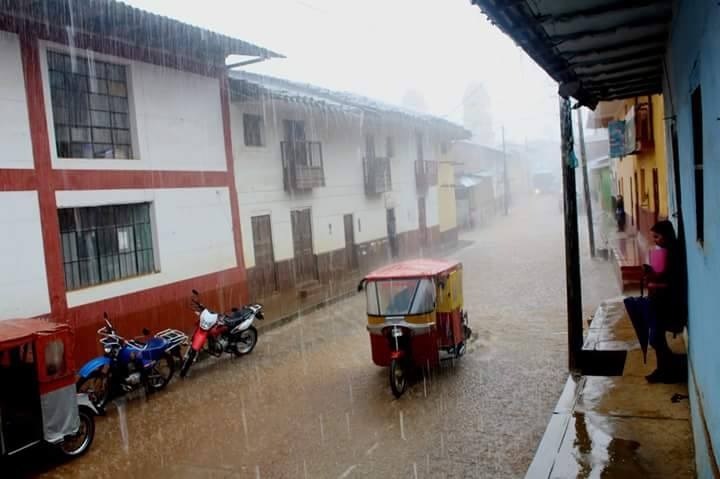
264, 255
305, 264
392, 232
350, 251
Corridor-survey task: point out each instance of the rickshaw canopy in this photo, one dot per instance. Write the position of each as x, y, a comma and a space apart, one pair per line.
417, 268
14, 332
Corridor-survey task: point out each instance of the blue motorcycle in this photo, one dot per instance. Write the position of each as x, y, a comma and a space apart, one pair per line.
128, 365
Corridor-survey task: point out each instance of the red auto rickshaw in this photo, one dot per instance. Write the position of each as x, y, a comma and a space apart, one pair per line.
38, 401
415, 316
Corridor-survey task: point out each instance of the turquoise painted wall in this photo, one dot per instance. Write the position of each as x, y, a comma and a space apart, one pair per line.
694, 59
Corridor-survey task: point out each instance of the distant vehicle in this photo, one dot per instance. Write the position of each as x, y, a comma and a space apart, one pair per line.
544, 183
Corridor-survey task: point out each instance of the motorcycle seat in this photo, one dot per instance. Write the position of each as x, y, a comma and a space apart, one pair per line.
237, 316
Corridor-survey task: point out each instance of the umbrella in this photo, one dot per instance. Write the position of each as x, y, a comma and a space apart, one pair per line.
638, 309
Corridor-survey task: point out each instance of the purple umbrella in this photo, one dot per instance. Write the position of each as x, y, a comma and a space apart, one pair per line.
638, 309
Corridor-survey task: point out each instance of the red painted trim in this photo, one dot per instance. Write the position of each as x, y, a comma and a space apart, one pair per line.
17, 180
234, 204
122, 179
108, 46
43, 166
143, 300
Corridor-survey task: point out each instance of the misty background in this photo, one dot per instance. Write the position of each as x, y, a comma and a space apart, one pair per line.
440, 57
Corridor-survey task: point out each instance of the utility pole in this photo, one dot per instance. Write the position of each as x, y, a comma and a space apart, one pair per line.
586, 184
506, 192
572, 249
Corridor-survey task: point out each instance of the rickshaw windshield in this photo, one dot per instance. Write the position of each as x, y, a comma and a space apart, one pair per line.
400, 297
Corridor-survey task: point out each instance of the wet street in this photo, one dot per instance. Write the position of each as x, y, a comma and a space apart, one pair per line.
309, 402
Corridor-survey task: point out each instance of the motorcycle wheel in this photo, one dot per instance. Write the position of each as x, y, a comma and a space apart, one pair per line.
187, 362
77, 444
398, 378
246, 341
161, 373
97, 387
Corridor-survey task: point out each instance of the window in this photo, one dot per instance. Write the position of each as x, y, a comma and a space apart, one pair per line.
55, 358
105, 243
91, 112
370, 146
389, 147
697, 126
253, 130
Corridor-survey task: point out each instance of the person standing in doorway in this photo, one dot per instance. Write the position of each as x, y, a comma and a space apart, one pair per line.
620, 215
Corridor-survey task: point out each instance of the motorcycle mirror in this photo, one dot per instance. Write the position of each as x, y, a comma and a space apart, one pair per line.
361, 285
105, 316
146, 332
195, 292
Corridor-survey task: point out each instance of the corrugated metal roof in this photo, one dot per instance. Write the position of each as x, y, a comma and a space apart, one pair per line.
252, 86
133, 26
416, 268
596, 49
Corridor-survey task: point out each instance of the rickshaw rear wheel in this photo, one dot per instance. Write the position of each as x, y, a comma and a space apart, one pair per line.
89, 385
78, 444
398, 378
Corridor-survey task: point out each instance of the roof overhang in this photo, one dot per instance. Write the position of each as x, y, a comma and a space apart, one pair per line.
597, 50
119, 22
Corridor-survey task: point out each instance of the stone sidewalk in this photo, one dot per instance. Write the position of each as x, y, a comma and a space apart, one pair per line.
618, 426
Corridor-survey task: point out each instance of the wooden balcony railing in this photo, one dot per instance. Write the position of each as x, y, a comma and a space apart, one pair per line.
378, 178
302, 165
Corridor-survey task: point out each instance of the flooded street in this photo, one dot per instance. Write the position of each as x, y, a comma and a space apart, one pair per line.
309, 402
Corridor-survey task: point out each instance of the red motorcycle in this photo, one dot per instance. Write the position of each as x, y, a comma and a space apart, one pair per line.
220, 333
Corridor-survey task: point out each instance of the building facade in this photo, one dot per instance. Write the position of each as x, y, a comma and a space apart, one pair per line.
691, 103
117, 189
331, 185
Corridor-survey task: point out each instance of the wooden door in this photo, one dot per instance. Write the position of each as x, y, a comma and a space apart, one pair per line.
392, 232
350, 251
305, 264
264, 255
422, 221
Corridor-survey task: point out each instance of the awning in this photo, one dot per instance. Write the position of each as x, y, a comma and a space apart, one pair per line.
599, 163
595, 49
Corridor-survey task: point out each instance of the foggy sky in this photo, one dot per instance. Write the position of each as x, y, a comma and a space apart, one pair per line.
383, 48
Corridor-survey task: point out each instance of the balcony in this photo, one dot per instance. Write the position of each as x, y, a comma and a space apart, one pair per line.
302, 165
426, 174
377, 175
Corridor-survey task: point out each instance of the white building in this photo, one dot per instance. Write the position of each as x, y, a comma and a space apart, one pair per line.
117, 190
330, 183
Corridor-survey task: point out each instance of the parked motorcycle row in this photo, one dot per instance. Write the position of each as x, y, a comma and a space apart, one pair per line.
149, 362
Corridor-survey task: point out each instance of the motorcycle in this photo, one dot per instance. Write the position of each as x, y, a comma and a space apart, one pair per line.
128, 365
219, 333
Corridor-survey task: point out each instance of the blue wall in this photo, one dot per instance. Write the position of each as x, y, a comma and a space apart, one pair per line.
694, 59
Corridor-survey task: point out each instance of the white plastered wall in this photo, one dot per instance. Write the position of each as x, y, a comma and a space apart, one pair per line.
23, 281
15, 142
192, 233
259, 177
176, 118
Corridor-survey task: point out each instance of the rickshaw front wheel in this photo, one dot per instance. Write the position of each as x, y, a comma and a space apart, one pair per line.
398, 378
77, 444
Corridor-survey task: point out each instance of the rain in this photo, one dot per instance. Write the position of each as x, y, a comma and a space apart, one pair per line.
371, 192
